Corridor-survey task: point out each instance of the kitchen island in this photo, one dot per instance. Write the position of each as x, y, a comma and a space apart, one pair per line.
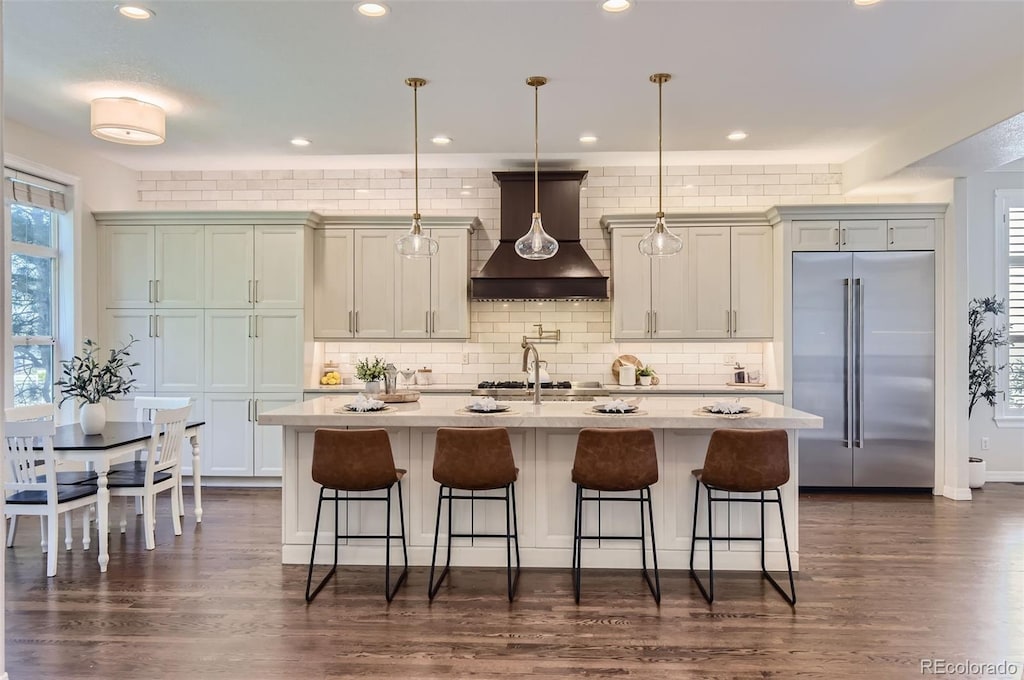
544, 443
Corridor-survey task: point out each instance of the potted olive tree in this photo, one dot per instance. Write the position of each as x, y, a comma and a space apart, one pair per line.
91, 379
986, 336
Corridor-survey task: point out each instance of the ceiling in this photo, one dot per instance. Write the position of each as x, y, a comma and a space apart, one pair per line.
807, 79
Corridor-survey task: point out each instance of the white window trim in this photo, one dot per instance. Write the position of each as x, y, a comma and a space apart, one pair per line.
1005, 200
69, 268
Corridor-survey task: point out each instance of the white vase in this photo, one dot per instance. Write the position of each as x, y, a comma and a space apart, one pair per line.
92, 418
372, 387
975, 473
644, 379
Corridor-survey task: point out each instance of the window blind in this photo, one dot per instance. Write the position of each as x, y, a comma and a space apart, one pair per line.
26, 189
1015, 301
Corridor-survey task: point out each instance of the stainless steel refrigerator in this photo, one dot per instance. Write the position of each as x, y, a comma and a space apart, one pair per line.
864, 360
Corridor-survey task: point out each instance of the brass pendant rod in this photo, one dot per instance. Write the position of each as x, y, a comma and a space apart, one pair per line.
416, 146
660, 82
536, 148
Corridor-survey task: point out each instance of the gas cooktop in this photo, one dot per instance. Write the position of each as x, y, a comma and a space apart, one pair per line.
520, 385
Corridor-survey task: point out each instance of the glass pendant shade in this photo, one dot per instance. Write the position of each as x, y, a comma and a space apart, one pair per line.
536, 244
416, 244
660, 242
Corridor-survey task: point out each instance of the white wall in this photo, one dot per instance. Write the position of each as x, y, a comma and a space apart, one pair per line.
100, 184
1005, 459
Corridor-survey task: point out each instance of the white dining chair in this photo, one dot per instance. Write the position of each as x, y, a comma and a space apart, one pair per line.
145, 407
64, 477
30, 493
161, 471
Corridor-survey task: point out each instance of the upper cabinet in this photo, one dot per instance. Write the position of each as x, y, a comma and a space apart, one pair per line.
719, 286
863, 234
144, 266
364, 289
258, 266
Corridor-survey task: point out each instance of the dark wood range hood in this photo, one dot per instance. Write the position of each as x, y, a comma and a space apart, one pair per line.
570, 274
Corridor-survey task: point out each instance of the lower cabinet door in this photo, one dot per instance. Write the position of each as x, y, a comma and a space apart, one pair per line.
228, 438
268, 442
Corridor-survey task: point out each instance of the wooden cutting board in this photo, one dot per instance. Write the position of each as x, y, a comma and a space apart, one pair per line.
629, 360
398, 397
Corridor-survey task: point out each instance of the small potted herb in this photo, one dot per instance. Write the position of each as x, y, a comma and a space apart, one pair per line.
371, 372
645, 374
91, 380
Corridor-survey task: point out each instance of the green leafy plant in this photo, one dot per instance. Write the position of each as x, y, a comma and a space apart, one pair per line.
87, 378
367, 370
986, 336
646, 370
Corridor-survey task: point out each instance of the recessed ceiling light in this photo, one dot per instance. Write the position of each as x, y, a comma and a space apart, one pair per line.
615, 6
466, 186
362, 191
135, 11
736, 136
372, 9
588, 139
865, 3
300, 141
441, 140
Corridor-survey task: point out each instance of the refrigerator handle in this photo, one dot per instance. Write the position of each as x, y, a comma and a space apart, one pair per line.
859, 441
847, 367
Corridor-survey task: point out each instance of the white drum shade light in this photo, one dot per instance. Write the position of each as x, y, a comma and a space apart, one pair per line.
128, 121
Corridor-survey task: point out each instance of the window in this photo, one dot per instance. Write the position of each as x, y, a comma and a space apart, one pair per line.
1009, 216
33, 207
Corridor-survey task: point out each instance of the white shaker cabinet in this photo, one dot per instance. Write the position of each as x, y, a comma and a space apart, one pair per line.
332, 287
720, 286
144, 266
229, 350
364, 289
169, 347
278, 350
863, 234
229, 267
259, 265
631, 285
707, 291
374, 287
268, 444
228, 435
752, 268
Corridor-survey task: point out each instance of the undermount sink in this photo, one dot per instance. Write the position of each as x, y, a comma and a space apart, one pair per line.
545, 397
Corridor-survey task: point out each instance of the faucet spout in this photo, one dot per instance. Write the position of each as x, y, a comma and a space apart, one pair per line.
527, 349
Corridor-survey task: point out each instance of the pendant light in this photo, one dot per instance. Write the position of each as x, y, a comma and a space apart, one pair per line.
660, 241
536, 244
416, 244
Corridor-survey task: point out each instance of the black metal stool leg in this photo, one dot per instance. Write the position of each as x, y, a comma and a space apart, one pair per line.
511, 533
709, 592
577, 544
656, 586
312, 553
791, 596
389, 592
432, 588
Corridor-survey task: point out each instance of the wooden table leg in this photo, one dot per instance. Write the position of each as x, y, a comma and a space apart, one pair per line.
197, 479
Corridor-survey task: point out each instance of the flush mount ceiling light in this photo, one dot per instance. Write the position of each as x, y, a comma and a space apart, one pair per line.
416, 244
135, 12
372, 9
300, 141
616, 6
660, 242
127, 121
441, 140
588, 139
736, 136
536, 244
866, 3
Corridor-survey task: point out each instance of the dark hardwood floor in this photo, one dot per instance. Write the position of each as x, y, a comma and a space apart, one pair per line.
886, 581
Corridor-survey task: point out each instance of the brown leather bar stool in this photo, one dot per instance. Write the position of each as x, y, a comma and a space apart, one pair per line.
743, 461
475, 459
615, 460
356, 461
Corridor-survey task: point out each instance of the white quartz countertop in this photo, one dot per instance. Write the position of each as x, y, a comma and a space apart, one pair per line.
662, 412
355, 388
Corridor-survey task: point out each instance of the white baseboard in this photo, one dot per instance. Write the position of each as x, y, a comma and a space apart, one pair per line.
956, 493
1004, 476
235, 482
